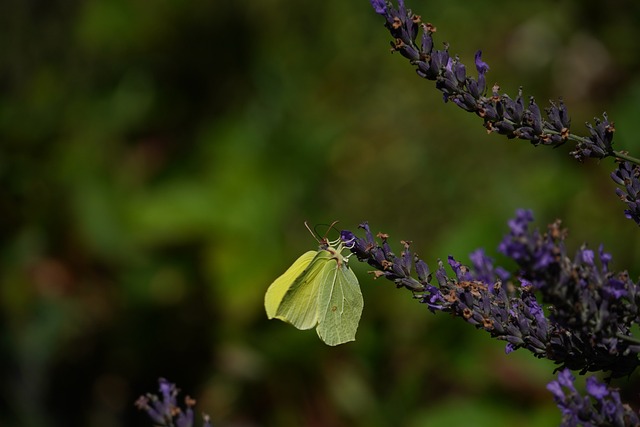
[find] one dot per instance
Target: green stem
(624, 156)
(633, 340)
(617, 154)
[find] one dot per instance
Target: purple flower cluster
(600, 407)
(501, 113)
(164, 410)
(628, 176)
(585, 327)
(591, 308)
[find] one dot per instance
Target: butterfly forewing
(299, 305)
(279, 287)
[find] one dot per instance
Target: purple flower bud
(558, 117)
(460, 71)
(185, 419)
(401, 7)
(439, 59)
(514, 109)
(348, 238)
(555, 388)
(379, 6)
(368, 234)
(481, 66)
(615, 288)
(504, 128)
(596, 389)
(566, 379)
(461, 271)
(407, 259)
(587, 256)
(605, 258)
(426, 44)
(534, 117)
(441, 274)
(422, 271)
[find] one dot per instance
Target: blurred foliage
(158, 161)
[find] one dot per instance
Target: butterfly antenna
(313, 232)
(333, 225)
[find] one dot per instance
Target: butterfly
(318, 290)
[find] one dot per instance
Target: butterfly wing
(299, 305)
(340, 303)
(281, 285)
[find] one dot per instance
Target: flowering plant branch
(500, 113)
(591, 309)
(587, 326)
(596, 337)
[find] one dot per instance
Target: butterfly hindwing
(340, 304)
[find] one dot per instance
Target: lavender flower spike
(628, 176)
(164, 411)
(601, 406)
(588, 325)
(501, 114)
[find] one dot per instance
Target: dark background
(158, 161)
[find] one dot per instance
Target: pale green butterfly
(319, 289)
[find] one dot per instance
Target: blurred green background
(158, 161)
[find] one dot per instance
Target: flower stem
(624, 156)
(628, 338)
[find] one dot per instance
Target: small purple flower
(380, 6)
(596, 389)
(615, 288)
(525, 283)
(520, 223)
(422, 271)
(481, 66)
(433, 298)
(566, 379)
(555, 388)
(348, 238)
(587, 256)
(605, 258)
(484, 270)
(461, 271)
